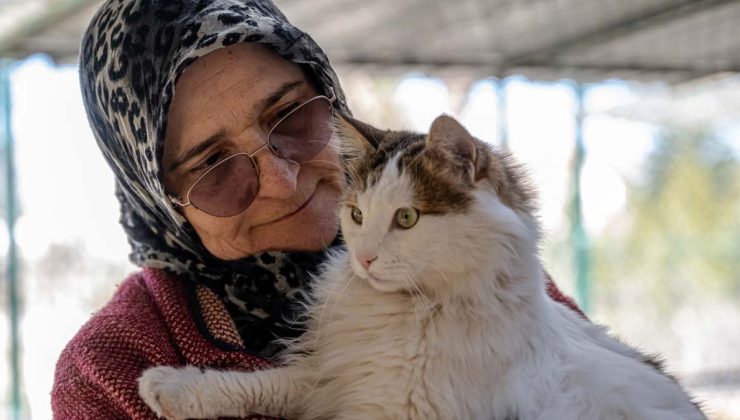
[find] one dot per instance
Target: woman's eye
(213, 159)
(285, 111)
(406, 217)
(209, 161)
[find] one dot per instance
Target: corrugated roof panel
(582, 39)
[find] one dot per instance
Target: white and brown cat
(436, 310)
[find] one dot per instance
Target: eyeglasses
(229, 187)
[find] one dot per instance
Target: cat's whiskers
(417, 293)
(320, 319)
(344, 289)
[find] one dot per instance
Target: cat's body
(447, 319)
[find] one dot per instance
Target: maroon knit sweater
(153, 319)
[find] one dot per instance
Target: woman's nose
(278, 176)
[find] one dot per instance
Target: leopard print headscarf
(132, 55)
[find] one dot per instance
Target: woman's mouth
(298, 210)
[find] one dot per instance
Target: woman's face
(231, 98)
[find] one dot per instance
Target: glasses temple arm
(176, 201)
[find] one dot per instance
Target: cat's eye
(406, 217)
(356, 214)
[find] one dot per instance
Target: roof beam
(478, 65)
(661, 16)
(54, 12)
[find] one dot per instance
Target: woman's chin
(312, 231)
(312, 228)
(316, 240)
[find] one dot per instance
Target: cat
(436, 309)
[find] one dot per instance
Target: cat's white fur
(451, 321)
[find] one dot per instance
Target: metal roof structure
(53, 27)
(671, 40)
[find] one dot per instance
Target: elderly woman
(213, 115)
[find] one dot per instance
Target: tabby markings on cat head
(445, 166)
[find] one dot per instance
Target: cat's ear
(357, 140)
(448, 136)
(358, 130)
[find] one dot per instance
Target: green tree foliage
(680, 239)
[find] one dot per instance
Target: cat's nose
(365, 260)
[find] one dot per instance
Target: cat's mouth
(370, 277)
(382, 285)
(392, 287)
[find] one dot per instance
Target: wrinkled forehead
(227, 90)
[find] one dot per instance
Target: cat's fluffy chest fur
(456, 362)
(420, 358)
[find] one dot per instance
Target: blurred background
(626, 113)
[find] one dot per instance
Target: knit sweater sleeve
(75, 396)
(96, 375)
(555, 294)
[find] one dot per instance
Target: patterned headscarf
(132, 55)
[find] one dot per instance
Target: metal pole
(503, 123)
(12, 261)
(578, 233)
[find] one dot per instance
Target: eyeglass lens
(231, 186)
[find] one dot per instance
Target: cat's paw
(172, 393)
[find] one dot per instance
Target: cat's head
(422, 210)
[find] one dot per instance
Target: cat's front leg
(175, 393)
(189, 392)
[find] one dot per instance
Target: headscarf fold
(132, 55)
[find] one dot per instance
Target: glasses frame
(177, 201)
